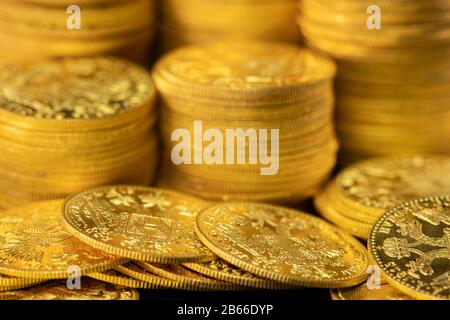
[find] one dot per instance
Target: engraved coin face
(74, 88)
(137, 222)
(385, 182)
(282, 244)
(411, 244)
(243, 66)
(34, 244)
(90, 289)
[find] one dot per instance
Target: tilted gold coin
(411, 244)
(34, 244)
(283, 244)
(131, 269)
(185, 276)
(117, 278)
(90, 289)
(8, 281)
(222, 270)
(362, 292)
(137, 222)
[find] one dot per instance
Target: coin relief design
(83, 88)
(283, 244)
(91, 289)
(34, 244)
(237, 65)
(411, 244)
(385, 182)
(137, 222)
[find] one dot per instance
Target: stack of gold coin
(361, 193)
(410, 244)
(57, 28)
(246, 121)
(393, 83)
(71, 124)
(187, 22)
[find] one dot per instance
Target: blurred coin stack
(362, 192)
(258, 88)
(187, 22)
(70, 124)
(393, 85)
(49, 28)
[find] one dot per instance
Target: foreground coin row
(148, 238)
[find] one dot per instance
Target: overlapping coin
(137, 222)
(34, 244)
(283, 244)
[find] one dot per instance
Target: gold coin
(117, 278)
(381, 183)
(362, 292)
(241, 67)
(188, 277)
(410, 243)
(283, 244)
(91, 289)
(133, 270)
(8, 281)
(34, 244)
(331, 212)
(222, 270)
(105, 91)
(137, 222)
(16, 287)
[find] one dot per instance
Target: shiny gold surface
(410, 243)
(137, 222)
(34, 244)
(57, 290)
(283, 245)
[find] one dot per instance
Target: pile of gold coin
(192, 22)
(410, 244)
(246, 121)
(71, 124)
(393, 82)
(34, 29)
(362, 192)
(174, 241)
